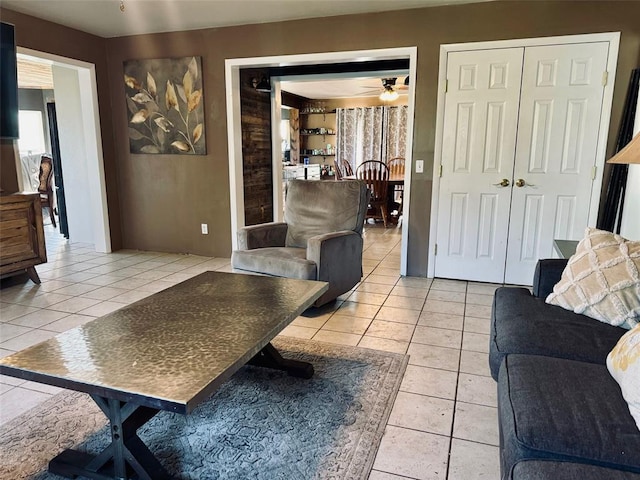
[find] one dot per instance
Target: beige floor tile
(132, 283)
(374, 288)
(382, 279)
(68, 322)
(77, 277)
(74, 304)
(477, 423)
(479, 299)
(475, 342)
(103, 280)
(340, 338)
(439, 337)
(477, 389)
(477, 325)
(27, 339)
(385, 344)
(482, 288)
(480, 311)
(102, 308)
(429, 381)
(389, 272)
(415, 282)
(475, 363)
(434, 357)
(378, 475)
(299, 332)
(17, 401)
(155, 286)
(429, 462)
(45, 300)
(446, 296)
(367, 297)
(420, 412)
(441, 320)
(104, 293)
(451, 285)
(410, 303)
(358, 310)
(347, 324)
(53, 285)
(9, 311)
(311, 322)
(403, 291)
(152, 275)
(38, 319)
(131, 296)
(391, 330)
(76, 289)
(473, 461)
(438, 306)
(400, 315)
(9, 331)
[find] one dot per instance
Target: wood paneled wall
(255, 110)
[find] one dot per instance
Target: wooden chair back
(396, 167)
(376, 175)
(45, 187)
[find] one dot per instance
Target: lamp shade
(629, 154)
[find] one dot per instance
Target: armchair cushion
(307, 215)
(279, 261)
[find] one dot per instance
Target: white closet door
(560, 108)
(480, 125)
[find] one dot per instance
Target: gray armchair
(320, 238)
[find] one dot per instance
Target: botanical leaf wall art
(165, 105)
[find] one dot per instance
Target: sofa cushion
(307, 214)
(550, 470)
(602, 279)
(522, 323)
(278, 261)
(553, 408)
(624, 365)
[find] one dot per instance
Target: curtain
(370, 133)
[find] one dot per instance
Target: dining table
(394, 181)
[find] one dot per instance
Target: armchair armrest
(272, 234)
(548, 273)
(338, 257)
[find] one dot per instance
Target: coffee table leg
(125, 456)
(269, 357)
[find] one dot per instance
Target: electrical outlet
(205, 228)
(419, 166)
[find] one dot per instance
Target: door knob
(521, 183)
(503, 183)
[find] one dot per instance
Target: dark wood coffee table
(169, 351)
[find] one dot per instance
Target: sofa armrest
(548, 273)
(338, 258)
(264, 235)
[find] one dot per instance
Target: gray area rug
(261, 424)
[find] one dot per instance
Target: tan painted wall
(163, 199)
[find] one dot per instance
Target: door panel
(559, 120)
(480, 126)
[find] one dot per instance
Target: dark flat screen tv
(8, 83)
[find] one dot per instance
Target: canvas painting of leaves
(165, 105)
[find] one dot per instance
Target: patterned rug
(261, 424)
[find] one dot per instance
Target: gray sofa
(561, 414)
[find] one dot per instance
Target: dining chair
(348, 171)
(376, 175)
(396, 170)
(45, 188)
(338, 168)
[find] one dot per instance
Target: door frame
(614, 43)
(234, 127)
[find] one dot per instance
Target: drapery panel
(370, 133)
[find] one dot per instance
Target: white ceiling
(341, 88)
(104, 18)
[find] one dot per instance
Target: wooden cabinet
(21, 234)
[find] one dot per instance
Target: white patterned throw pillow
(623, 363)
(602, 279)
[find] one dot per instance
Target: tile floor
(444, 423)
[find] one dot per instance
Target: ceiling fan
(390, 89)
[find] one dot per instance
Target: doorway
(75, 91)
(232, 74)
(521, 139)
